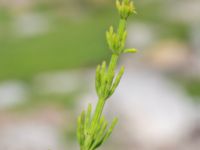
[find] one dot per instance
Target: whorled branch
(92, 135)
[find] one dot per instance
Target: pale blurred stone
(30, 24)
(29, 136)
(156, 112)
(195, 36)
(168, 55)
(12, 93)
(183, 10)
(61, 82)
(140, 35)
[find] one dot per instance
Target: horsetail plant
(93, 129)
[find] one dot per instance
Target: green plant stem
(113, 63)
(94, 130)
(122, 27)
(98, 112)
(101, 101)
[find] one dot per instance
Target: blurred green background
(76, 32)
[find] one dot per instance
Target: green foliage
(105, 82)
(93, 130)
(25, 57)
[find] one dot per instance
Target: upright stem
(102, 100)
(98, 112)
(121, 27)
(113, 63)
(91, 134)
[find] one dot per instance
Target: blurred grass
(71, 44)
(74, 41)
(192, 87)
(66, 101)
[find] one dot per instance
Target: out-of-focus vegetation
(76, 33)
(70, 45)
(72, 41)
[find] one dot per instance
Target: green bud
(116, 41)
(125, 8)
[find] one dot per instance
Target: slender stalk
(113, 62)
(122, 27)
(93, 130)
(98, 112)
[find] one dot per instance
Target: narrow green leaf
(99, 125)
(79, 130)
(103, 78)
(88, 116)
(114, 122)
(98, 80)
(100, 135)
(103, 68)
(117, 80)
(109, 83)
(131, 50)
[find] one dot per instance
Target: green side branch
(93, 129)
